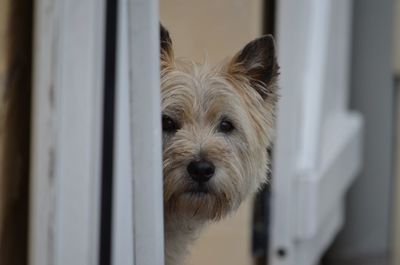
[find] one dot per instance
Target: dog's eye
(226, 126)
(168, 124)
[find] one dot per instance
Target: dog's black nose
(201, 170)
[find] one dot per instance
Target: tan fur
(198, 96)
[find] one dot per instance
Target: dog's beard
(208, 201)
(198, 205)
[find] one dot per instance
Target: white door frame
(66, 132)
(138, 176)
(68, 88)
(317, 152)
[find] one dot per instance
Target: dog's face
(217, 124)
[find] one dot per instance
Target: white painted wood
(396, 205)
(319, 142)
(145, 131)
(396, 38)
(292, 28)
(66, 140)
(319, 190)
(123, 236)
(315, 67)
(308, 251)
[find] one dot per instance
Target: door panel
(318, 147)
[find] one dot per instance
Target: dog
(217, 124)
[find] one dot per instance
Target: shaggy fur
(196, 98)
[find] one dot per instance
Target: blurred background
(334, 197)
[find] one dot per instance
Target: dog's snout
(201, 170)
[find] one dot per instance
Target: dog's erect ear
(165, 44)
(257, 60)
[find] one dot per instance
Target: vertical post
(66, 133)
(122, 220)
(318, 148)
(144, 82)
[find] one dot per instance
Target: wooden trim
(15, 98)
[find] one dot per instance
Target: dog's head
(217, 125)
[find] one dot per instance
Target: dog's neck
(179, 234)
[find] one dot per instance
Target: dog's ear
(165, 44)
(257, 61)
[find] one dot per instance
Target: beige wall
(218, 29)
